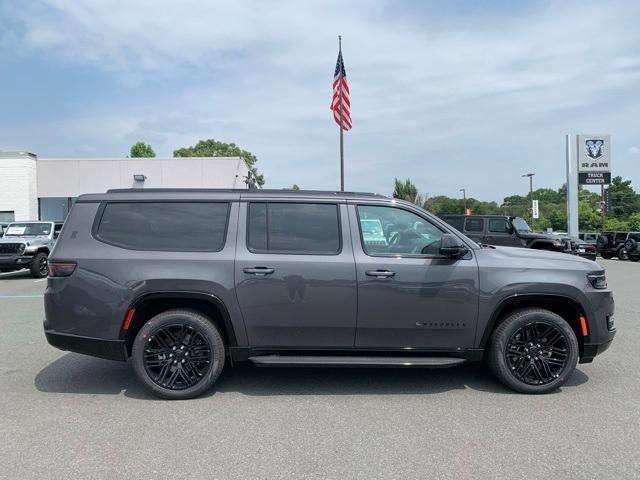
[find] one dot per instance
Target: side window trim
(103, 206)
(394, 255)
(291, 252)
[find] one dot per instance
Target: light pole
(464, 194)
(530, 175)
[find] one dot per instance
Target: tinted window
(393, 230)
(455, 222)
(474, 225)
(294, 228)
(170, 226)
(499, 225)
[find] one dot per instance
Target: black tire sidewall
(622, 254)
(502, 334)
(34, 266)
(205, 327)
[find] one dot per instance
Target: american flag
(340, 104)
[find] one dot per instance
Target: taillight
(61, 269)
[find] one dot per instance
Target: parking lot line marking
(40, 280)
(9, 297)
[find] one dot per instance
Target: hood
(534, 235)
(24, 239)
(531, 258)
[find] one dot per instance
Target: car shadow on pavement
(74, 373)
(17, 275)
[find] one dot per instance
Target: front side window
(499, 225)
(389, 230)
(304, 228)
(168, 226)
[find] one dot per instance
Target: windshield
(23, 229)
(520, 224)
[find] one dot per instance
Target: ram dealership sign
(594, 159)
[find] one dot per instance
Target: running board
(353, 361)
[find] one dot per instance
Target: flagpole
(341, 132)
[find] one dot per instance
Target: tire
(622, 254)
(508, 358)
(607, 256)
(631, 245)
(602, 241)
(39, 267)
(634, 258)
(173, 373)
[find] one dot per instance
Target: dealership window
(294, 228)
(169, 226)
(7, 216)
(54, 208)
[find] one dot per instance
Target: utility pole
(464, 194)
(602, 206)
(572, 187)
(530, 175)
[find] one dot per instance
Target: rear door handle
(380, 273)
(259, 271)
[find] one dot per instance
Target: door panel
(422, 301)
(498, 232)
(297, 300)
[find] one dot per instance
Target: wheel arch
(150, 304)
(568, 308)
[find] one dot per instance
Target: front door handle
(259, 271)
(380, 273)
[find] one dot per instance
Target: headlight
(598, 280)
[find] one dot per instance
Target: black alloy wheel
(623, 254)
(533, 350)
(178, 354)
(177, 357)
(537, 353)
(39, 267)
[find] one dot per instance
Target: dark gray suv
(182, 282)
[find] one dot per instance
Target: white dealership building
(45, 188)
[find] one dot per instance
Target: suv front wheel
(178, 354)
(533, 351)
(39, 267)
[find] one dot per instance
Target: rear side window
(474, 225)
(455, 222)
(169, 226)
(293, 228)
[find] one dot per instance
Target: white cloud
(488, 95)
(634, 150)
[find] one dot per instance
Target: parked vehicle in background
(504, 231)
(27, 245)
(612, 244)
(589, 237)
(632, 245)
(284, 278)
(3, 226)
(581, 248)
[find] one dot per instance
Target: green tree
(624, 201)
(141, 150)
(405, 190)
(213, 148)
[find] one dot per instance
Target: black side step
(353, 361)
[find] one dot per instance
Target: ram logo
(595, 148)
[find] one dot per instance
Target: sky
(450, 94)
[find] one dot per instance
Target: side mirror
(452, 247)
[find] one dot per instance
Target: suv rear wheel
(623, 254)
(178, 354)
(533, 351)
(39, 267)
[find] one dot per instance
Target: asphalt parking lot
(65, 415)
